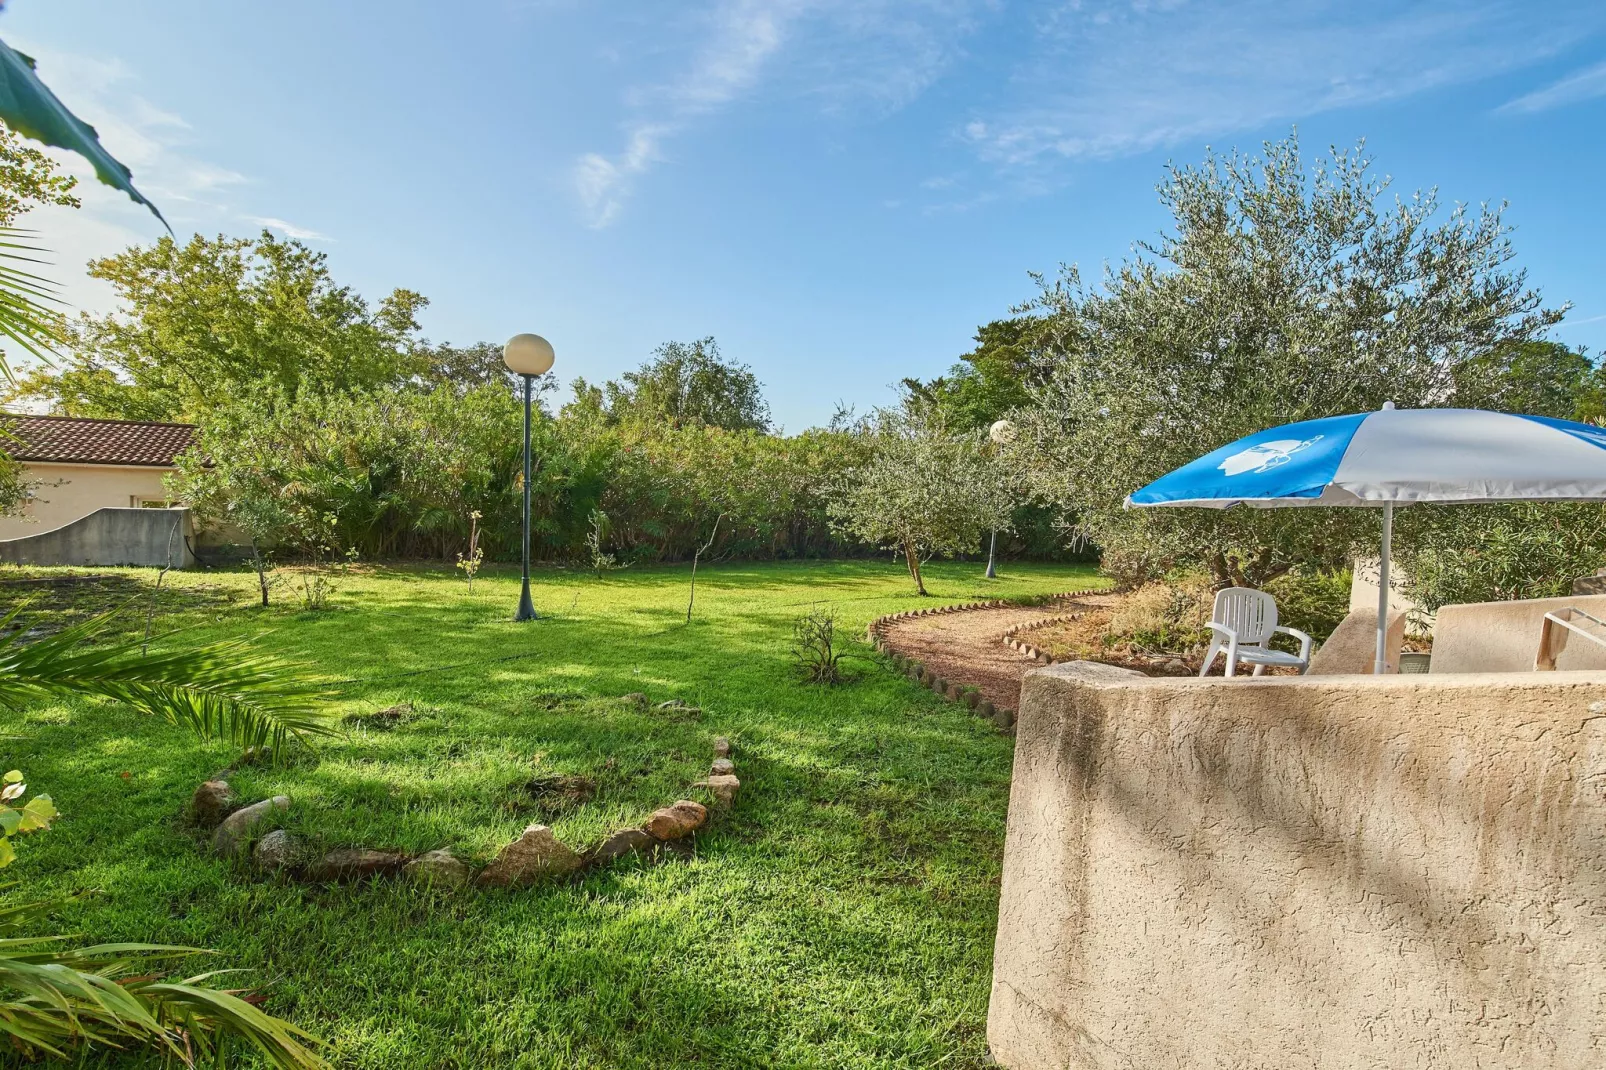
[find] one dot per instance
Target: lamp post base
(526, 607)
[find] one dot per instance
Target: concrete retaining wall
(1504, 636)
(1334, 873)
(152, 537)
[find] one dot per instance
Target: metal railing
(1556, 629)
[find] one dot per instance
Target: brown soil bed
(968, 647)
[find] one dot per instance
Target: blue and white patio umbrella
(1394, 457)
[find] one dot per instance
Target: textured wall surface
(1352, 648)
(1504, 636)
(153, 537)
(1340, 872)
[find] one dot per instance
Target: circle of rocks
(876, 635)
(536, 857)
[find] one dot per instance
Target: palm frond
(53, 999)
(218, 691)
(25, 317)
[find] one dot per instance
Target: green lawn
(843, 915)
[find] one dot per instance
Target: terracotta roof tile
(73, 440)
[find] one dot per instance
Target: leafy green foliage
(18, 818)
(1539, 378)
(686, 383)
(1478, 553)
(26, 318)
(1314, 601)
(1285, 291)
(207, 323)
(217, 691)
(28, 179)
(814, 645)
(990, 381)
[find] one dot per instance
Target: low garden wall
(111, 536)
(1304, 872)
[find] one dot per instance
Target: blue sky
(838, 190)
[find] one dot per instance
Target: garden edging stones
(953, 691)
(536, 857)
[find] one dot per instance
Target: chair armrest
(1223, 629)
(1305, 641)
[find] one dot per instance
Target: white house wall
(70, 491)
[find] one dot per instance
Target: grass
(842, 916)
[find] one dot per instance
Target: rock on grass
(231, 836)
(438, 867)
(534, 857)
(681, 819)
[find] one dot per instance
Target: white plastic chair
(1242, 620)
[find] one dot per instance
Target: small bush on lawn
(814, 647)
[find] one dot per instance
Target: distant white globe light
(1001, 432)
(528, 354)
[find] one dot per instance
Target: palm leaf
(24, 296)
(54, 999)
(29, 107)
(218, 691)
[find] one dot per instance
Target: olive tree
(1284, 291)
(925, 489)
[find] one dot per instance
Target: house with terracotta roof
(78, 466)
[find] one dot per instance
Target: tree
(925, 490)
(1283, 293)
(382, 474)
(465, 368)
(990, 381)
(29, 178)
(685, 383)
(1538, 378)
(213, 319)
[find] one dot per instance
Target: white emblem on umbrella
(1264, 456)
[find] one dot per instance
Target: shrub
(814, 647)
(1312, 600)
(1166, 616)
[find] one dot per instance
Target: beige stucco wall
(1504, 636)
(70, 491)
(1286, 873)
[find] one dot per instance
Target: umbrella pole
(1380, 666)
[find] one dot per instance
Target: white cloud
(289, 230)
(1107, 78)
(874, 55)
(1587, 84)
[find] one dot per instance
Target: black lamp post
(527, 355)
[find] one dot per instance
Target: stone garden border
(1003, 717)
(1011, 638)
(536, 857)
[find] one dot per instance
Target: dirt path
(968, 647)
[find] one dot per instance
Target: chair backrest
(1250, 613)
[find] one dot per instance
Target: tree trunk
(911, 557)
(262, 576)
(696, 555)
